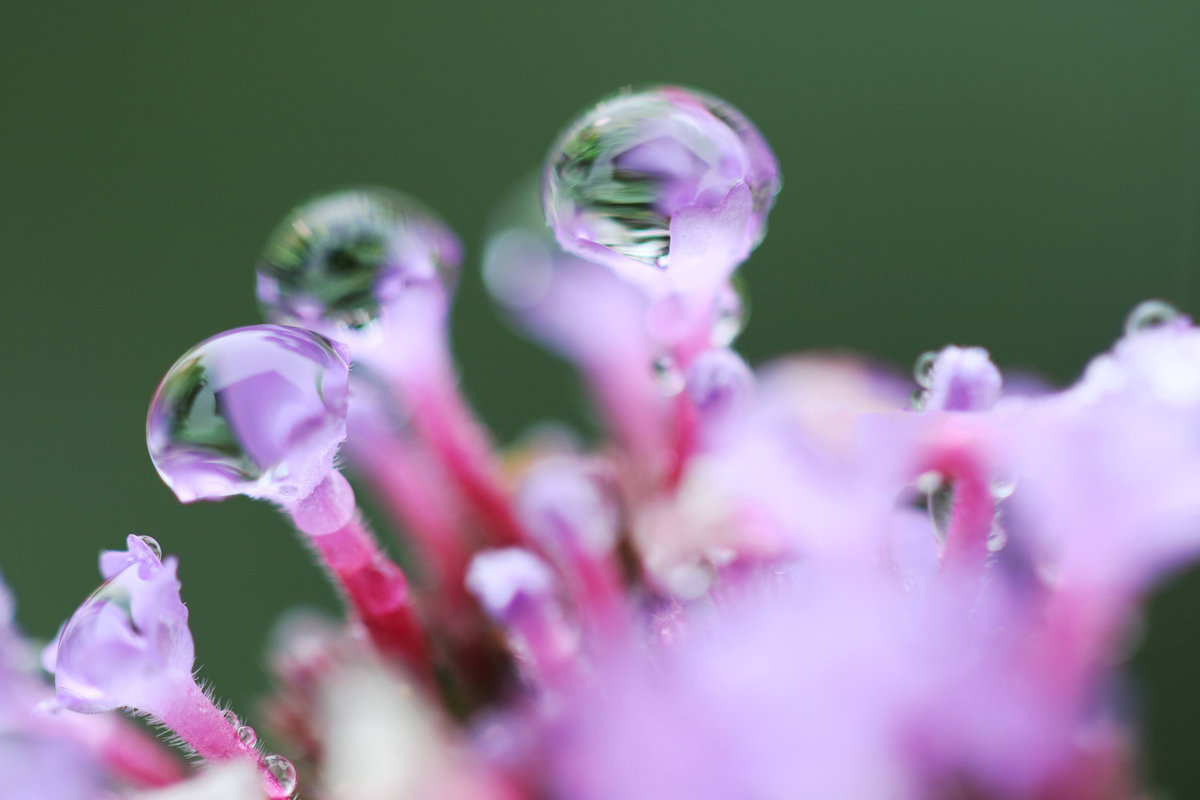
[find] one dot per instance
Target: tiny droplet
(997, 538)
(1148, 315)
(671, 379)
(923, 369)
(283, 772)
(231, 717)
(247, 735)
(730, 311)
(918, 399)
(1003, 486)
(154, 546)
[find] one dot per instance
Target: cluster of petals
(804, 579)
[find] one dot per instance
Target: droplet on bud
(337, 263)
(246, 735)
(154, 546)
(1150, 314)
(283, 772)
(256, 411)
(923, 369)
(620, 173)
(670, 378)
(231, 718)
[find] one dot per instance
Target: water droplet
(283, 772)
(919, 398)
(941, 507)
(253, 411)
(154, 546)
(338, 262)
(997, 538)
(670, 377)
(231, 717)
(246, 735)
(1150, 314)
(731, 310)
(923, 369)
(621, 170)
(1003, 486)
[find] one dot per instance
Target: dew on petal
(670, 378)
(154, 546)
(923, 369)
(731, 311)
(246, 735)
(1150, 314)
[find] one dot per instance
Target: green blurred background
(1012, 174)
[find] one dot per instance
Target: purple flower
(958, 379)
(128, 645)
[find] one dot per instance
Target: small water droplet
(283, 772)
(997, 538)
(247, 735)
(923, 369)
(941, 507)
(1003, 486)
(671, 380)
(919, 398)
(154, 546)
(1150, 314)
(730, 312)
(231, 717)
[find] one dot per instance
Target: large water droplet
(923, 369)
(154, 546)
(338, 262)
(282, 771)
(246, 735)
(670, 378)
(1150, 314)
(621, 170)
(256, 411)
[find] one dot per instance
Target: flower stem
(195, 719)
(374, 586)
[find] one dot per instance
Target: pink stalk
(421, 505)
(973, 513)
(374, 586)
(442, 417)
(631, 406)
(137, 757)
(193, 717)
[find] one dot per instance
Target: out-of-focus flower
(796, 581)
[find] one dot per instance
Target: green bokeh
(1012, 174)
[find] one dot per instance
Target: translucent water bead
(620, 173)
(338, 262)
(256, 411)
